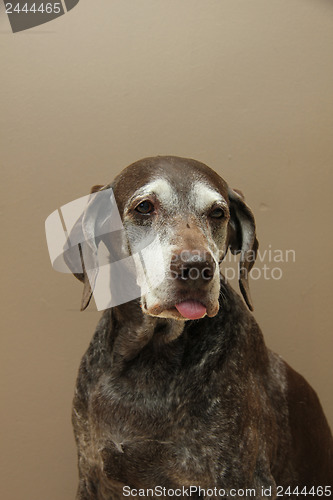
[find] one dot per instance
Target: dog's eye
(145, 207)
(217, 213)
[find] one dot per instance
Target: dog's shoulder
(310, 433)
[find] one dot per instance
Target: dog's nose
(192, 267)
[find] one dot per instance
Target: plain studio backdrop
(242, 85)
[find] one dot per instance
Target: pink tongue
(191, 309)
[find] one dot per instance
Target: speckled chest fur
(174, 413)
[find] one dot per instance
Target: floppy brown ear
(242, 239)
(96, 188)
(81, 248)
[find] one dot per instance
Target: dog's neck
(133, 330)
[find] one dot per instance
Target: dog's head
(187, 215)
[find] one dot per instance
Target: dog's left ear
(242, 239)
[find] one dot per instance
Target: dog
(177, 394)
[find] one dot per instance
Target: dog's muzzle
(192, 271)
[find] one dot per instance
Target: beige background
(245, 86)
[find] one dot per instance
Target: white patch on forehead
(203, 197)
(161, 188)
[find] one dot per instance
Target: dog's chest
(144, 439)
(147, 461)
(169, 421)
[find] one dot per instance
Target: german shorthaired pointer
(177, 394)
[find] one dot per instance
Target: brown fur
(161, 402)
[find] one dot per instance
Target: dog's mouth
(188, 309)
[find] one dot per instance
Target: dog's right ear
(100, 217)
